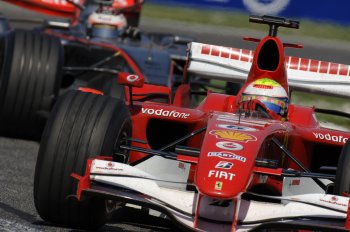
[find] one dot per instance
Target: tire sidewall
(108, 129)
(29, 83)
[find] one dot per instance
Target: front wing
(193, 211)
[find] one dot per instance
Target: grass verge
(240, 20)
(326, 102)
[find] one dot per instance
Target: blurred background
(324, 32)
(317, 17)
(311, 9)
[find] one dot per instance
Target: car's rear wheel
(81, 126)
(29, 82)
(342, 179)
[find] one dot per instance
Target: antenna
(274, 23)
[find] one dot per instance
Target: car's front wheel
(81, 126)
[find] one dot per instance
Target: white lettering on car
(227, 155)
(165, 113)
(328, 137)
(221, 174)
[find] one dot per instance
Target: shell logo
(232, 135)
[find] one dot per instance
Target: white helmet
(269, 92)
(117, 21)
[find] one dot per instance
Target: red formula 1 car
(233, 163)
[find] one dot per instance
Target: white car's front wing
(130, 182)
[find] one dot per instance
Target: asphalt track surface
(18, 157)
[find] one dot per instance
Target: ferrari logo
(218, 185)
(233, 135)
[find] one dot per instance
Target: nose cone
(227, 158)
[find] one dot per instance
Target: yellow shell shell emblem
(232, 135)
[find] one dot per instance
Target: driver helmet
(106, 22)
(268, 92)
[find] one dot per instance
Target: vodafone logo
(132, 78)
(229, 146)
(328, 137)
(165, 113)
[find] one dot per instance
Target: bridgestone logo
(165, 113)
(334, 138)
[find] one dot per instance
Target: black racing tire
(29, 82)
(4, 24)
(2, 53)
(81, 126)
(342, 178)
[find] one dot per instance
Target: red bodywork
(59, 8)
(300, 133)
(251, 140)
(231, 144)
(62, 8)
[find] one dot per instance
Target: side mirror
(131, 80)
(184, 40)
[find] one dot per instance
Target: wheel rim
(121, 155)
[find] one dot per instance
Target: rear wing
(233, 64)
